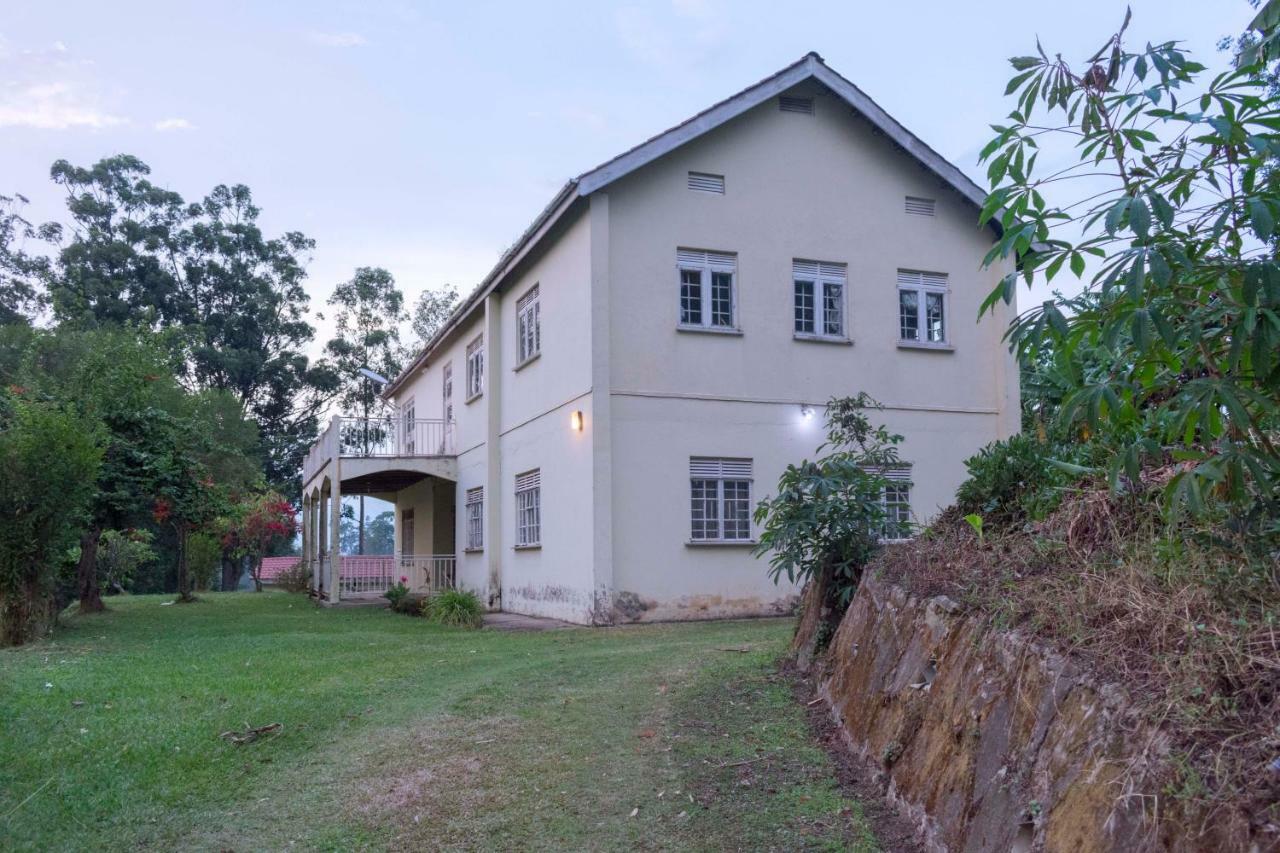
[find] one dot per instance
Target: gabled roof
(809, 67)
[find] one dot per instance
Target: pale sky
(424, 137)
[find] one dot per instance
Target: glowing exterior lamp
(806, 412)
(575, 420)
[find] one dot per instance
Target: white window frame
(924, 285)
(407, 418)
(714, 482)
(528, 327)
(706, 265)
(898, 525)
(475, 368)
(528, 513)
(824, 277)
(474, 515)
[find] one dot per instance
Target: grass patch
(399, 734)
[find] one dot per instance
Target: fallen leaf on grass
(635, 811)
(646, 733)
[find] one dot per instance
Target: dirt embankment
(991, 741)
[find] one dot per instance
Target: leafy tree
(1186, 300)
(260, 524)
(20, 272)
(121, 553)
(370, 311)
(828, 517)
(431, 311)
(379, 533)
(49, 458)
(232, 298)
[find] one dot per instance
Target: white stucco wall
(821, 187)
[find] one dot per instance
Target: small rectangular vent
(920, 206)
(706, 183)
(796, 105)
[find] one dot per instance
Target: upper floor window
(408, 412)
(528, 326)
(529, 508)
(720, 499)
(707, 295)
(446, 391)
(922, 306)
(475, 368)
(475, 518)
(819, 298)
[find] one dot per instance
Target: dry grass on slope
(1181, 619)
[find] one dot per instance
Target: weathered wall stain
(991, 742)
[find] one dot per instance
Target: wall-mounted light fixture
(575, 420)
(806, 411)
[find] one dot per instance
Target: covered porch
(408, 463)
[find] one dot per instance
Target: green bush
(1012, 480)
(204, 559)
(459, 608)
(296, 578)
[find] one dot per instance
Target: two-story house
(588, 434)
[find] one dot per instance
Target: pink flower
(403, 579)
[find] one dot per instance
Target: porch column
(306, 532)
(335, 546)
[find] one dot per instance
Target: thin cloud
(53, 106)
(337, 39)
(672, 40)
(167, 124)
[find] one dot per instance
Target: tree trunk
(184, 581)
(255, 568)
(819, 617)
(87, 571)
(360, 532)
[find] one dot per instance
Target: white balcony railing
(374, 575)
(379, 437)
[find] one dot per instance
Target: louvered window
(529, 508)
(528, 326)
(475, 518)
(720, 499)
(705, 182)
(819, 298)
(920, 206)
(922, 306)
(795, 105)
(895, 501)
(475, 368)
(707, 297)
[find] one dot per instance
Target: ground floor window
(896, 501)
(475, 518)
(529, 508)
(720, 499)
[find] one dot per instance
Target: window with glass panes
(407, 430)
(922, 306)
(529, 508)
(475, 367)
(475, 518)
(528, 326)
(819, 298)
(706, 288)
(720, 499)
(895, 500)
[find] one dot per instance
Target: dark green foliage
(398, 595)
(459, 608)
(431, 311)
(1012, 480)
(49, 459)
(1185, 302)
(828, 516)
(20, 271)
(370, 310)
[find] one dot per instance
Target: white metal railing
(388, 436)
(374, 575)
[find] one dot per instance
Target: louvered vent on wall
(706, 183)
(920, 206)
(796, 105)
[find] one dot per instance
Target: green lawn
(399, 734)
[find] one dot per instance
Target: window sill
(710, 330)
(472, 398)
(920, 345)
(721, 543)
(822, 339)
(537, 546)
(528, 361)
(479, 550)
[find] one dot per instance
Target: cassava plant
(1169, 209)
